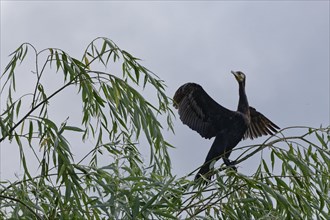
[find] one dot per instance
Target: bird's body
(204, 115)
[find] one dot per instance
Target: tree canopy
(117, 122)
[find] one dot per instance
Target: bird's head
(240, 76)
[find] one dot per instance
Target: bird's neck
(243, 105)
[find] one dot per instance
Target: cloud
(283, 47)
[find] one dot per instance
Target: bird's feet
(204, 176)
(230, 164)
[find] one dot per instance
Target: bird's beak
(235, 74)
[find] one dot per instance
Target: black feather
(204, 115)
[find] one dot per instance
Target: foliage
(117, 122)
(291, 182)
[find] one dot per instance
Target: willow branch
(36, 107)
(25, 205)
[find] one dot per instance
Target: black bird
(204, 115)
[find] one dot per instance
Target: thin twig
(21, 202)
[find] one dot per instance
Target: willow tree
(119, 105)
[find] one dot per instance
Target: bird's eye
(241, 74)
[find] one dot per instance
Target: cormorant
(204, 115)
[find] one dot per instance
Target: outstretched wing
(199, 111)
(259, 125)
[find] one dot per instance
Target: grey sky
(283, 47)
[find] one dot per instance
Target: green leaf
(135, 207)
(24, 54)
(98, 98)
(321, 139)
(18, 140)
(272, 158)
(164, 213)
(68, 68)
(86, 62)
(282, 184)
(58, 61)
(265, 166)
(50, 124)
(71, 128)
(104, 47)
(18, 107)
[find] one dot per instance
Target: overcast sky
(282, 47)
